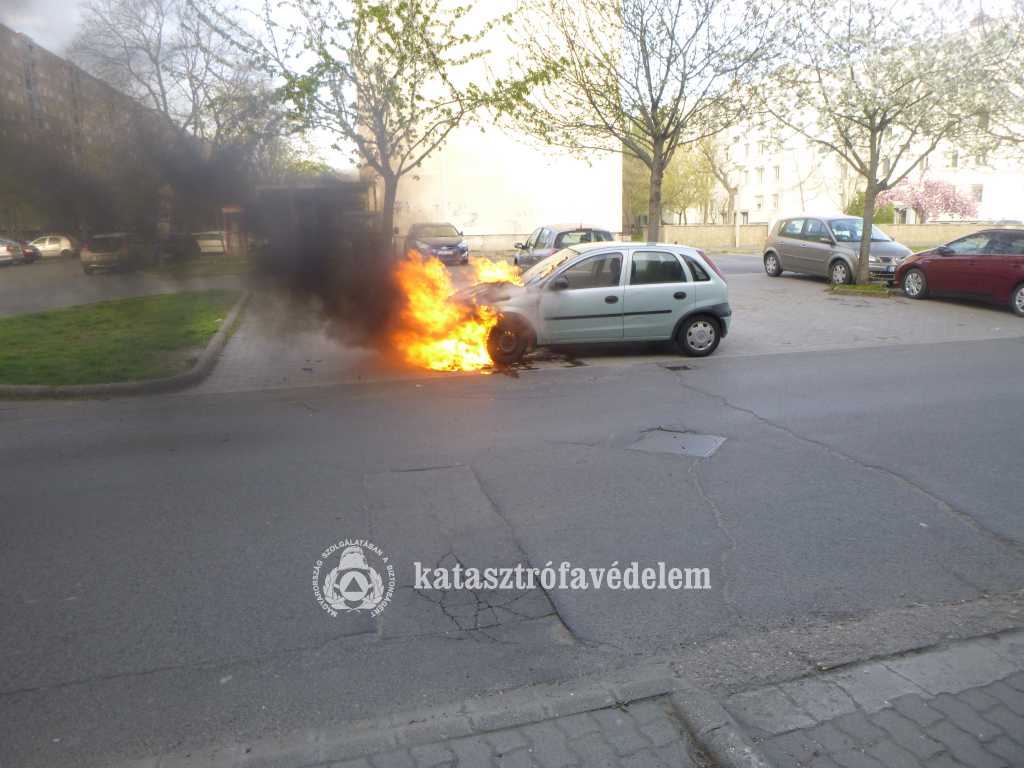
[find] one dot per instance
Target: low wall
(507, 242)
(936, 232)
(712, 235)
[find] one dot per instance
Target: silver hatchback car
(608, 292)
(829, 246)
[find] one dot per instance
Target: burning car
(607, 292)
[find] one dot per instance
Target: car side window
(596, 272)
(546, 240)
(652, 267)
(1007, 245)
(970, 245)
(791, 228)
(40, 241)
(814, 230)
(533, 240)
(54, 241)
(700, 274)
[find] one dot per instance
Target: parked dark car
(988, 265)
(181, 246)
(551, 238)
(440, 240)
(116, 251)
(30, 252)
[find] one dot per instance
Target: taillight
(712, 265)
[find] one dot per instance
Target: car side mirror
(561, 284)
(519, 247)
(827, 240)
(944, 250)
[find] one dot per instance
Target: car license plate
(892, 268)
(445, 251)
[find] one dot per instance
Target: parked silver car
(608, 292)
(829, 246)
(116, 251)
(552, 238)
(10, 252)
(58, 245)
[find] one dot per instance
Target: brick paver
(940, 725)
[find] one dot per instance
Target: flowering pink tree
(928, 197)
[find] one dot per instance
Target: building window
(760, 175)
(746, 176)
(981, 158)
(776, 172)
(759, 203)
(950, 159)
(746, 150)
(886, 167)
(775, 202)
(976, 190)
(744, 218)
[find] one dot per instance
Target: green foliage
(885, 216)
(127, 340)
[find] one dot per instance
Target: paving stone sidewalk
(961, 705)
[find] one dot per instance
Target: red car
(987, 265)
(30, 251)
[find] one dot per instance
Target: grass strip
(125, 340)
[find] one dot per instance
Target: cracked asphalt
(156, 553)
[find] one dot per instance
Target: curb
(148, 387)
(711, 726)
(715, 731)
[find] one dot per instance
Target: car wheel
(771, 265)
(508, 340)
(1017, 302)
(515, 262)
(67, 254)
(840, 273)
(915, 284)
(699, 336)
(87, 270)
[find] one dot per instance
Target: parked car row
(986, 265)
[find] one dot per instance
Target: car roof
(433, 224)
(572, 226)
(587, 247)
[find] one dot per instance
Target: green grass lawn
(126, 340)
(208, 265)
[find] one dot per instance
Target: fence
(712, 235)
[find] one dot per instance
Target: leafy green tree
(885, 216)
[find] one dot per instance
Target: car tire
(772, 267)
(67, 254)
(915, 284)
(508, 340)
(87, 270)
(699, 336)
(839, 273)
(1017, 300)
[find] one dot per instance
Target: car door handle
(611, 299)
(679, 295)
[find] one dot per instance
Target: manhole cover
(680, 443)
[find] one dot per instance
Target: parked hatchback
(988, 265)
(551, 238)
(11, 252)
(608, 292)
(440, 240)
(829, 246)
(58, 245)
(120, 250)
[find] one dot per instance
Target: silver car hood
(489, 294)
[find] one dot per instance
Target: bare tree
(638, 76)
(719, 163)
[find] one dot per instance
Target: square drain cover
(681, 443)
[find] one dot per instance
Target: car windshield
(437, 230)
(849, 231)
(577, 236)
(104, 244)
(543, 268)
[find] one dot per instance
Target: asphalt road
(156, 554)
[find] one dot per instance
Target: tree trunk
(654, 201)
(863, 270)
(732, 207)
(388, 213)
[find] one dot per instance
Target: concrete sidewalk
(961, 705)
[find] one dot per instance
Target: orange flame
(439, 335)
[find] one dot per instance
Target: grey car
(829, 246)
(551, 238)
(58, 245)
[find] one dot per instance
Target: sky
(50, 23)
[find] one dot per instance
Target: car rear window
(577, 236)
(104, 244)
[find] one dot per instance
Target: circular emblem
(354, 584)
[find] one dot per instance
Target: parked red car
(988, 265)
(30, 251)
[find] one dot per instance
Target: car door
(525, 256)
(814, 254)
(997, 271)
(590, 308)
(789, 243)
(657, 293)
(543, 246)
(952, 270)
